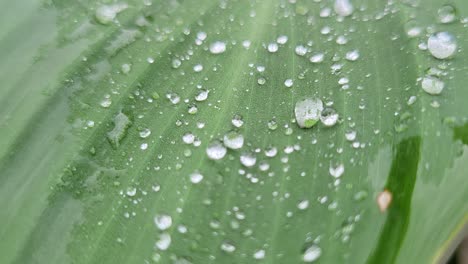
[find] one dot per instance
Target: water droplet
(272, 47)
(411, 100)
(198, 68)
(352, 55)
(442, 45)
(145, 133)
(216, 150)
(350, 135)
(202, 95)
(301, 50)
(308, 112)
(317, 58)
(447, 14)
(237, 120)
(164, 241)
(201, 35)
(107, 13)
(144, 146)
(337, 170)
(259, 254)
(173, 97)
(312, 253)
(248, 159)
(131, 191)
(384, 199)
(217, 47)
(233, 140)
(288, 83)
(271, 152)
(121, 124)
(432, 85)
(261, 81)
(196, 177)
(343, 7)
(106, 102)
(192, 109)
(126, 68)
(163, 221)
(272, 124)
(188, 138)
(302, 205)
(228, 247)
(176, 63)
(282, 39)
(329, 117)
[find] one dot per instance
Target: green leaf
(107, 110)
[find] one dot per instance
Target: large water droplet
(272, 47)
(196, 177)
(442, 45)
(248, 159)
(308, 112)
(432, 85)
(312, 253)
(337, 170)
(163, 221)
(233, 140)
(447, 14)
(228, 247)
(343, 7)
(217, 47)
(107, 13)
(216, 150)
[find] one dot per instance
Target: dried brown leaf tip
(384, 199)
